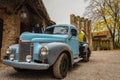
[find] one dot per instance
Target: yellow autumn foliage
(81, 37)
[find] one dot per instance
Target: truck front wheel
(60, 68)
(86, 56)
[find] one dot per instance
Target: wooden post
(44, 24)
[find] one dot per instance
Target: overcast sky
(60, 10)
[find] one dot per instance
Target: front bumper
(26, 65)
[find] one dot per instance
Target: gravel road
(103, 65)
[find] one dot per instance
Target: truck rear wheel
(60, 68)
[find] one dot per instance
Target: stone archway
(1, 34)
(82, 25)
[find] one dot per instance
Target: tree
(107, 12)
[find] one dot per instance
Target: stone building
(17, 16)
(83, 25)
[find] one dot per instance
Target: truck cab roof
(69, 25)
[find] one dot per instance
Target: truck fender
(85, 47)
(56, 49)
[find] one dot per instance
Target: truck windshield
(57, 30)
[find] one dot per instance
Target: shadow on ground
(32, 75)
(37, 75)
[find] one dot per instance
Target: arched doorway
(1, 34)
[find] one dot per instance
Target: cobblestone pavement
(103, 65)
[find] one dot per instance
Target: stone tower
(84, 25)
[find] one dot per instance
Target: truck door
(73, 42)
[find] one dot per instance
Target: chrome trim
(26, 65)
(24, 50)
(24, 40)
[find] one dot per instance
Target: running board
(77, 60)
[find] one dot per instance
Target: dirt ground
(103, 65)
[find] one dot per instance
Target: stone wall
(11, 31)
(20, 16)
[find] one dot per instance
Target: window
(73, 32)
(49, 30)
(57, 30)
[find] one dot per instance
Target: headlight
(44, 51)
(8, 51)
(28, 58)
(12, 56)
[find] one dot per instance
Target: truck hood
(35, 37)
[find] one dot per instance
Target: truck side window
(74, 32)
(49, 30)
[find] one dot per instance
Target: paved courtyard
(103, 65)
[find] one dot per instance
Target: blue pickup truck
(57, 48)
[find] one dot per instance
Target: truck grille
(25, 49)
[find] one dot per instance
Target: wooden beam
(43, 8)
(34, 8)
(18, 6)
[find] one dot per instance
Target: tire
(60, 68)
(86, 56)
